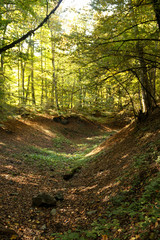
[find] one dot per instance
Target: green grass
(58, 158)
(134, 212)
(60, 140)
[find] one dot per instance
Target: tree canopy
(107, 60)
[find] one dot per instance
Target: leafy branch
(31, 32)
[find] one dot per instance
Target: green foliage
(95, 68)
(158, 160)
(69, 236)
(61, 159)
(152, 190)
(59, 141)
(141, 160)
(133, 213)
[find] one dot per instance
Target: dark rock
(52, 169)
(70, 174)
(58, 227)
(61, 119)
(57, 119)
(142, 116)
(53, 212)
(59, 196)
(64, 121)
(43, 200)
(6, 234)
(52, 176)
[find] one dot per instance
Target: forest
(107, 59)
(79, 119)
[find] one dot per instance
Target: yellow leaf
(156, 224)
(104, 237)
(134, 238)
(137, 236)
(13, 237)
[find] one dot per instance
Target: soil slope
(85, 195)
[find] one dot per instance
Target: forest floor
(36, 153)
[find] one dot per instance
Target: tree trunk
(32, 72)
(80, 89)
(72, 93)
(22, 79)
(23, 67)
(27, 92)
(42, 77)
(156, 6)
(147, 99)
(153, 72)
(139, 95)
(2, 79)
(145, 86)
(54, 82)
(19, 91)
(46, 83)
(2, 76)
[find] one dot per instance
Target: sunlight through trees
(106, 60)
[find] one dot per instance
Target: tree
(106, 61)
(31, 32)
(120, 45)
(156, 6)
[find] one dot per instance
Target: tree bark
(156, 6)
(146, 88)
(27, 92)
(42, 74)
(32, 73)
(2, 76)
(147, 101)
(54, 75)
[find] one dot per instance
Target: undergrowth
(134, 212)
(43, 157)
